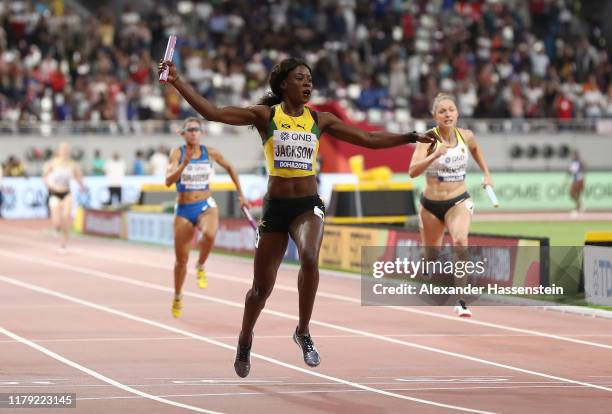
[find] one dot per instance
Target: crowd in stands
(151, 162)
(501, 58)
(154, 162)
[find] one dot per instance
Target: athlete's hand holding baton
(249, 217)
(492, 196)
(487, 184)
(163, 76)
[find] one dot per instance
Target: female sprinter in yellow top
(290, 134)
(445, 202)
(190, 167)
(57, 174)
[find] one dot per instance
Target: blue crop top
(195, 176)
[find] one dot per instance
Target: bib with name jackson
(292, 145)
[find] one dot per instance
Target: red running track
(96, 322)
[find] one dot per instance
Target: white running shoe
(462, 310)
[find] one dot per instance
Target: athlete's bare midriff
(440, 190)
(294, 187)
(189, 197)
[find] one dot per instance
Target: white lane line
(259, 337)
(288, 384)
(247, 281)
(240, 380)
(348, 390)
(226, 346)
(70, 306)
(40, 340)
(154, 286)
(99, 376)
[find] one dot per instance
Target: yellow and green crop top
(292, 143)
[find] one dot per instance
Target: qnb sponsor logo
(454, 161)
(602, 278)
(198, 168)
(455, 158)
(295, 136)
(302, 137)
(106, 225)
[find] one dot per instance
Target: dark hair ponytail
(277, 76)
(270, 99)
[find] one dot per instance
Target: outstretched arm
(254, 115)
(332, 125)
(476, 152)
(219, 159)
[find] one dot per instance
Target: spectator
(159, 162)
(533, 94)
(372, 96)
(97, 164)
(564, 107)
(593, 99)
(138, 168)
(115, 173)
(468, 99)
(14, 167)
(516, 101)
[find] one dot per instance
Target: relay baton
(163, 77)
(247, 214)
(492, 195)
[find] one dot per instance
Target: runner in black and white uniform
(57, 174)
(445, 202)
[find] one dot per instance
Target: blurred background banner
(27, 197)
(537, 191)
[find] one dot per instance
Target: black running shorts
(440, 208)
(279, 213)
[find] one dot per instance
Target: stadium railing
(391, 120)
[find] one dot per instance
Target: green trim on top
(457, 135)
(271, 126)
(315, 127)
